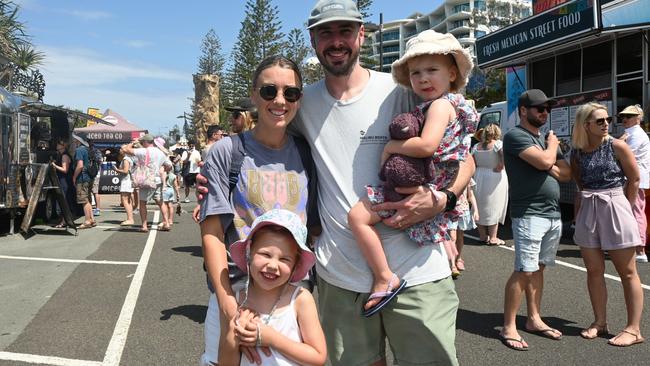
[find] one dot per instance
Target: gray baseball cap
(326, 11)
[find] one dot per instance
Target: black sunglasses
(541, 108)
(624, 116)
(291, 94)
(601, 121)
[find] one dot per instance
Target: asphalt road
(109, 297)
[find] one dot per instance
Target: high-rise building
(467, 20)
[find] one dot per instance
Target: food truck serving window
(594, 63)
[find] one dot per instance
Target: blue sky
(137, 57)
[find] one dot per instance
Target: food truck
(576, 51)
(29, 130)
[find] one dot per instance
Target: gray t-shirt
(347, 138)
(269, 179)
(533, 192)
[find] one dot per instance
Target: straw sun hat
(430, 42)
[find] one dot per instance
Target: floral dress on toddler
(453, 148)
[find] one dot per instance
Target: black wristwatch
(451, 199)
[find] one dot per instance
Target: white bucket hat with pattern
(430, 42)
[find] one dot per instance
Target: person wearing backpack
(82, 180)
(249, 174)
(147, 177)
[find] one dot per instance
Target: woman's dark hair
(276, 60)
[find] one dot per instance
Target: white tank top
(286, 323)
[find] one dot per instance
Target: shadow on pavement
(196, 313)
(489, 325)
(195, 250)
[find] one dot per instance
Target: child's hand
(384, 156)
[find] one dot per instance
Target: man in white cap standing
(82, 180)
(639, 142)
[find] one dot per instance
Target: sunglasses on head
(291, 94)
(601, 121)
(541, 108)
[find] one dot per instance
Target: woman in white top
(491, 183)
(126, 187)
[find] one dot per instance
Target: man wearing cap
(243, 115)
(534, 165)
(82, 181)
(157, 159)
(638, 141)
(345, 118)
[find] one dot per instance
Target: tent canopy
(122, 130)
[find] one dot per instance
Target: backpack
(95, 162)
(237, 158)
(144, 173)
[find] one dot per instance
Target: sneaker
(642, 258)
(96, 212)
(186, 200)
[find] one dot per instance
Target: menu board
(560, 121)
(23, 130)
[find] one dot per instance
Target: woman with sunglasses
(271, 176)
(607, 176)
(243, 115)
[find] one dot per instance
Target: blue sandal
(387, 296)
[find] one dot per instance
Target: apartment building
(465, 19)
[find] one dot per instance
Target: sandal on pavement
(637, 339)
(460, 264)
(509, 342)
(143, 230)
(84, 226)
(60, 226)
(546, 333)
(93, 223)
(386, 296)
(126, 223)
(497, 241)
(600, 330)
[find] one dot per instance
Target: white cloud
(136, 43)
(83, 67)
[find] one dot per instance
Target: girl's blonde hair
(579, 138)
(488, 133)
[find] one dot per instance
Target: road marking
(118, 340)
(66, 260)
(562, 263)
(46, 360)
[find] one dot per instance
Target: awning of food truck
(120, 132)
(38, 109)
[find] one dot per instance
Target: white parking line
(66, 260)
(118, 340)
(562, 263)
(46, 360)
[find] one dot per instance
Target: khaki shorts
(83, 192)
(148, 194)
(420, 324)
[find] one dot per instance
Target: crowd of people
(362, 185)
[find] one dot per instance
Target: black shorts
(190, 179)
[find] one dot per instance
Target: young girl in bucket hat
(273, 312)
(436, 67)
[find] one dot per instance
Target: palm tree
(26, 58)
(12, 31)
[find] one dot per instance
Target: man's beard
(536, 122)
(343, 69)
